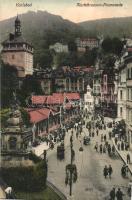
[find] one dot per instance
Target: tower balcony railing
(16, 49)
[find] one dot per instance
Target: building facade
(18, 52)
(86, 43)
(129, 100)
(121, 96)
(59, 47)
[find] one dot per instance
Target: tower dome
(17, 26)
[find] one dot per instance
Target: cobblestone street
(91, 184)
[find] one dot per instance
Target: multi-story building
(86, 43)
(61, 80)
(59, 47)
(108, 88)
(121, 96)
(97, 86)
(109, 94)
(129, 100)
(45, 79)
(18, 52)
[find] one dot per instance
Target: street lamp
(71, 169)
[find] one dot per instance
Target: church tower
(18, 52)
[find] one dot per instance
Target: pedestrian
(123, 170)
(105, 138)
(128, 158)
(126, 146)
(118, 146)
(116, 140)
(93, 134)
(101, 137)
(112, 194)
(110, 171)
(8, 192)
(106, 143)
(113, 149)
(101, 148)
(109, 149)
(96, 147)
(105, 171)
(122, 146)
(119, 194)
(97, 132)
(104, 149)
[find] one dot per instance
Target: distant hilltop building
(18, 52)
(86, 43)
(59, 47)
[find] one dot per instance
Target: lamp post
(71, 146)
(71, 170)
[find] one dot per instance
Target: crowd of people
(106, 146)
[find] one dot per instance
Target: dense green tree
(108, 62)
(72, 46)
(43, 58)
(9, 84)
(30, 85)
(117, 46)
(112, 45)
(25, 117)
(107, 45)
(90, 57)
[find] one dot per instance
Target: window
(121, 96)
(120, 111)
(127, 94)
(105, 78)
(127, 73)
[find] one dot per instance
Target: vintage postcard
(66, 99)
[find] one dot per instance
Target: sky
(68, 9)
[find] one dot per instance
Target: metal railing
(56, 190)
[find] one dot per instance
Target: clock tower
(18, 52)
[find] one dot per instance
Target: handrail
(56, 190)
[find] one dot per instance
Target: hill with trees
(113, 27)
(43, 29)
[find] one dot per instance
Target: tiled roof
(55, 98)
(38, 115)
(39, 99)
